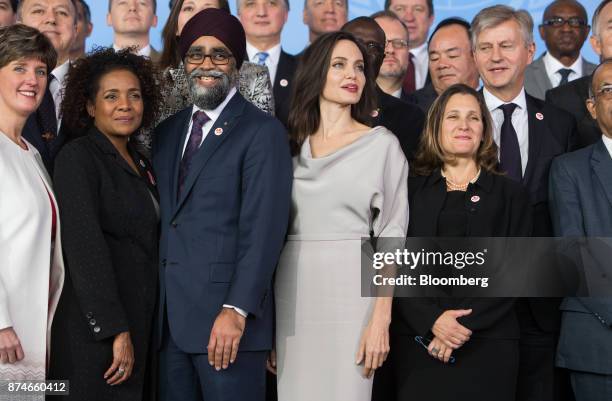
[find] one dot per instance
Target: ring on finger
(434, 350)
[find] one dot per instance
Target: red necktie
(409, 79)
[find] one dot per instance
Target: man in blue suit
(581, 206)
(224, 175)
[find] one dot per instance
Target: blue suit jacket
(581, 206)
(221, 240)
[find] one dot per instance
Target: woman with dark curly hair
(109, 210)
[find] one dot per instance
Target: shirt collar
(553, 65)
(608, 142)
(419, 51)
(214, 114)
(493, 102)
(60, 72)
(145, 51)
(273, 53)
(484, 181)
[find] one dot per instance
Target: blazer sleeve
(88, 257)
(564, 202)
(5, 316)
(264, 216)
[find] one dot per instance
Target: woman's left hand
(439, 350)
(374, 346)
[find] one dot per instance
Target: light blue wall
(295, 33)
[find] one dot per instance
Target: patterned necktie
(565, 72)
(195, 140)
(47, 118)
(510, 152)
(262, 57)
(410, 78)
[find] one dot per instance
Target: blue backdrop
(295, 33)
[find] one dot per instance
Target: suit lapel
(283, 72)
(536, 127)
(182, 124)
(601, 162)
(224, 125)
(541, 77)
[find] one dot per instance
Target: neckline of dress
(308, 152)
(27, 150)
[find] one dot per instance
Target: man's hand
(225, 338)
(450, 331)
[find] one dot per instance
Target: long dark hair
(310, 78)
(431, 156)
(171, 57)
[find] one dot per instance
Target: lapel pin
(475, 198)
(142, 163)
(540, 116)
(284, 83)
(218, 131)
(151, 179)
(375, 113)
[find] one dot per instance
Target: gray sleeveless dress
(337, 199)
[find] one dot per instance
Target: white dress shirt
(145, 51)
(608, 142)
(553, 65)
(57, 86)
(520, 121)
(272, 60)
(421, 65)
(397, 93)
(213, 115)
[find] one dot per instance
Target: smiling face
(450, 58)
(323, 16)
(56, 19)
(461, 130)
(7, 16)
(191, 8)
(263, 18)
(131, 16)
(417, 17)
(346, 76)
(501, 57)
(22, 86)
(118, 106)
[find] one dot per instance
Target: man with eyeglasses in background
(450, 61)
(564, 29)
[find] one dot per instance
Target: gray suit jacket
(537, 81)
(581, 206)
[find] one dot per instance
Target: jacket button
(96, 329)
(89, 315)
(174, 224)
(92, 322)
(163, 262)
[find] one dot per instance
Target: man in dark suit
(572, 97)
(529, 133)
(564, 29)
(224, 178)
(132, 21)
(57, 20)
(263, 22)
(581, 206)
(450, 61)
(403, 119)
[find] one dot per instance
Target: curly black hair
(83, 83)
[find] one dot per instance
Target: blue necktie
(195, 140)
(262, 57)
(565, 72)
(509, 150)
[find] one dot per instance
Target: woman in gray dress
(350, 181)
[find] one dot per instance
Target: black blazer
(285, 71)
(571, 98)
(110, 240)
(32, 132)
(405, 120)
(502, 211)
(423, 98)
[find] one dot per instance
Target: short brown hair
(304, 117)
(431, 156)
(20, 41)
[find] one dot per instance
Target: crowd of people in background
(186, 223)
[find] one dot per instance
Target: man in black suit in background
(529, 133)
(403, 119)
(572, 97)
(263, 22)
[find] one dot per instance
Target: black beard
(209, 98)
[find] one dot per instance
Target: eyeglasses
(425, 343)
(397, 44)
(604, 92)
(574, 22)
(217, 58)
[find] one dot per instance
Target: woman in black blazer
(455, 191)
(109, 210)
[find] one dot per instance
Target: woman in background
(456, 191)
(108, 200)
(31, 264)
(350, 181)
